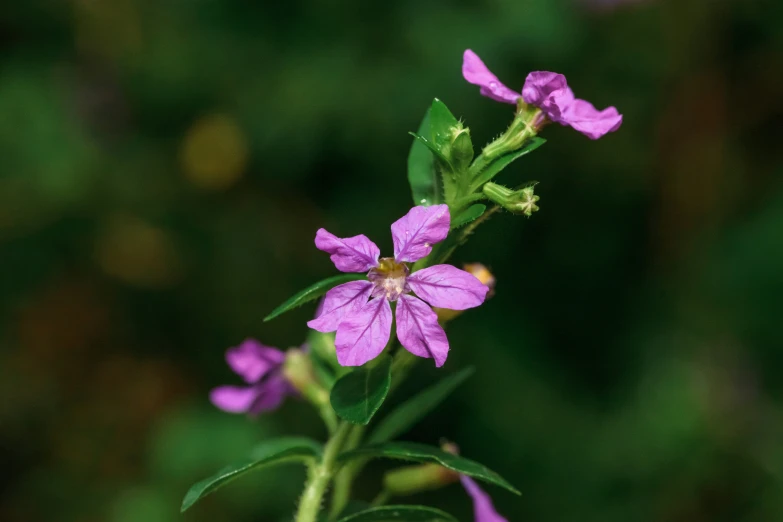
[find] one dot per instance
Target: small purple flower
(261, 368)
(484, 510)
(360, 312)
(548, 91)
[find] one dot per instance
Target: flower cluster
(549, 92)
(360, 311)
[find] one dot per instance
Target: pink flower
(360, 311)
(261, 368)
(548, 91)
(483, 509)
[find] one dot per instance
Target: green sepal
(488, 172)
(357, 396)
(268, 453)
(411, 451)
(400, 514)
(311, 293)
(407, 414)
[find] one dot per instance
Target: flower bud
(481, 273)
(461, 147)
(517, 201)
(415, 479)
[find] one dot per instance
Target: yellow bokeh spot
(137, 252)
(214, 152)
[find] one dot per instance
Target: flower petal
(416, 232)
(363, 335)
(484, 510)
(271, 394)
(585, 118)
(342, 300)
(418, 330)
(350, 254)
(475, 72)
(446, 286)
(251, 360)
(234, 399)
(541, 85)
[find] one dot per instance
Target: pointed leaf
(269, 453)
(471, 213)
(312, 292)
(430, 146)
(492, 170)
(400, 514)
(407, 414)
(357, 396)
(422, 175)
(422, 453)
(442, 121)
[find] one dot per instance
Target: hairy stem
(344, 478)
(320, 475)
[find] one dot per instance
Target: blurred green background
(165, 166)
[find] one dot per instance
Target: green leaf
(312, 292)
(442, 121)
(268, 453)
(422, 176)
(471, 213)
(400, 514)
(357, 396)
(407, 414)
(502, 162)
(442, 124)
(422, 453)
(430, 146)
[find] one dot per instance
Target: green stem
(344, 478)
(329, 418)
(320, 475)
(382, 498)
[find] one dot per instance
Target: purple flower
(360, 310)
(483, 509)
(548, 91)
(261, 368)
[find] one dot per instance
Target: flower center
(389, 278)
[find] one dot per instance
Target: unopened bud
(461, 147)
(415, 479)
(517, 201)
(481, 273)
